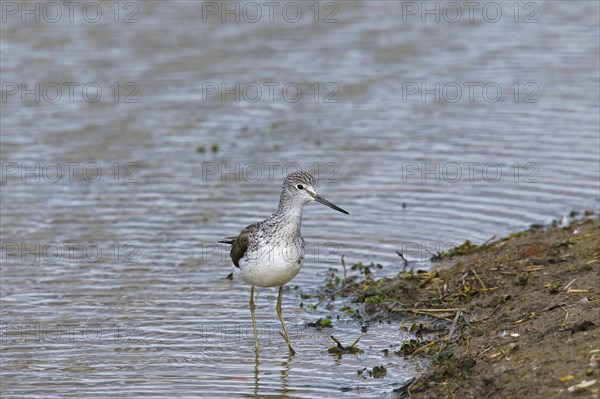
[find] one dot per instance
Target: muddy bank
(514, 318)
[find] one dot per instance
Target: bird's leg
(252, 307)
(279, 313)
(256, 372)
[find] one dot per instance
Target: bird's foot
(287, 340)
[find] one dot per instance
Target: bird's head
(301, 188)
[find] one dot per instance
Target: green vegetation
(375, 372)
(465, 248)
(340, 349)
(325, 323)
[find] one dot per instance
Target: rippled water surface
(112, 285)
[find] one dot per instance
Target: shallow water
(124, 294)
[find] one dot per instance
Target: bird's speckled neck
(288, 217)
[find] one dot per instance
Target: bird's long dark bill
(323, 201)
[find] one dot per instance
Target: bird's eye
(300, 186)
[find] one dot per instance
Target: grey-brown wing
(241, 243)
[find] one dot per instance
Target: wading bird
(270, 253)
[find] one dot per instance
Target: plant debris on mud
(521, 315)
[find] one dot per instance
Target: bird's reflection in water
(256, 371)
(284, 373)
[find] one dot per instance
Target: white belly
(271, 266)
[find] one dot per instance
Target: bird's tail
(228, 240)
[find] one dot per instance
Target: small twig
(433, 315)
(468, 346)
(500, 244)
(430, 277)
(344, 265)
(569, 285)
(339, 344)
(552, 306)
(433, 342)
(462, 278)
(345, 349)
(453, 327)
(428, 310)
(414, 383)
(485, 350)
(489, 240)
(356, 342)
(401, 255)
(533, 268)
(478, 279)
(583, 236)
